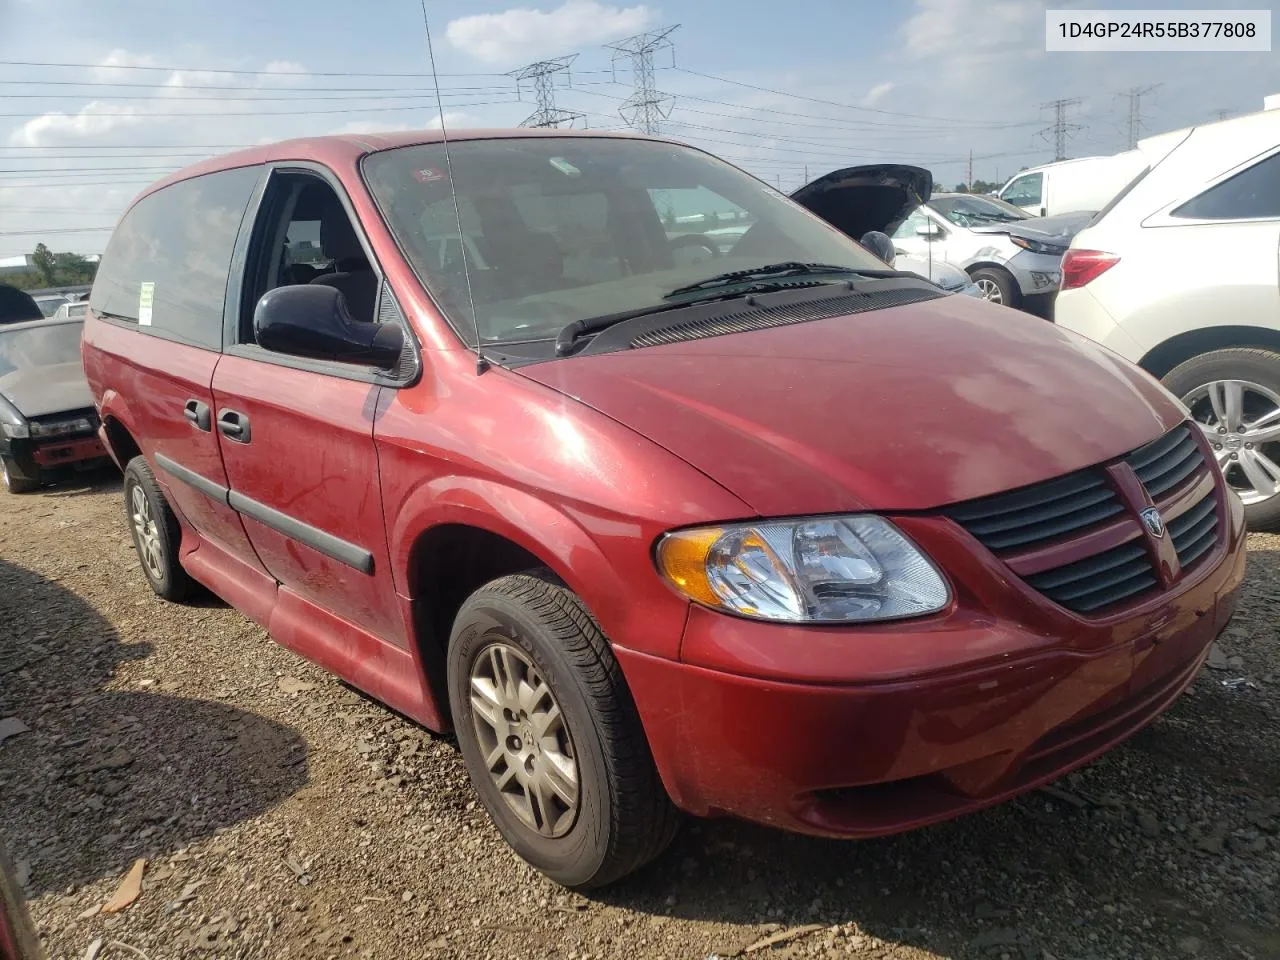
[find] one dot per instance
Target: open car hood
(876, 196)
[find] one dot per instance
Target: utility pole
(646, 108)
(1135, 95)
(968, 175)
(1061, 128)
(543, 74)
(1222, 114)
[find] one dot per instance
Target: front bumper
(57, 453)
(932, 719)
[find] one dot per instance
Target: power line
(1061, 128)
(646, 108)
(543, 74)
(281, 113)
(238, 73)
(1135, 95)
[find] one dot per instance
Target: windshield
(39, 346)
(556, 230)
(971, 211)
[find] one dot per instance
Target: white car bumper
(1079, 311)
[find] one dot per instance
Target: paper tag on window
(146, 299)
(429, 175)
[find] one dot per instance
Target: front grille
(1035, 515)
(1099, 581)
(1022, 525)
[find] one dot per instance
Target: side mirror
(879, 244)
(313, 321)
(930, 231)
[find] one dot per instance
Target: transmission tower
(1061, 127)
(1135, 95)
(543, 74)
(647, 107)
(1222, 114)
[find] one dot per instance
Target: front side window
(561, 229)
(1252, 194)
(40, 346)
(912, 226)
(166, 265)
(1024, 191)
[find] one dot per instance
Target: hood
(39, 391)
(871, 197)
(848, 413)
(1058, 229)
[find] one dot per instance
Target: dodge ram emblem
(1152, 520)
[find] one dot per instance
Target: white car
(1181, 275)
(1071, 186)
(1009, 254)
(75, 308)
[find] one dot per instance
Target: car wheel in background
(1234, 395)
(996, 286)
(550, 734)
(155, 532)
(18, 480)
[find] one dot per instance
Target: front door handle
(198, 413)
(234, 426)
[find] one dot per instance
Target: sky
(99, 98)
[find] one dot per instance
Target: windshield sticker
(565, 167)
(429, 175)
(146, 299)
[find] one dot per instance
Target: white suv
(1181, 274)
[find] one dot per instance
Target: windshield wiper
(787, 268)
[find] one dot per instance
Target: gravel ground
(281, 814)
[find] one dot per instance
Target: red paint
(585, 462)
(61, 452)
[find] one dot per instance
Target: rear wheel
(550, 734)
(1234, 396)
(996, 286)
(155, 531)
(17, 479)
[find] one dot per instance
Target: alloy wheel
(524, 739)
(989, 289)
(1241, 420)
(150, 549)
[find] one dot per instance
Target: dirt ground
(281, 814)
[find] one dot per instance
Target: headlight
(57, 428)
(1035, 246)
(842, 569)
(14, 431)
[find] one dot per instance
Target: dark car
(17, 306)
(775, 532)
(47, 417)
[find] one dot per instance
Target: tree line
(51, 269)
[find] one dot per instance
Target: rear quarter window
(179, 240)
(1252, 194)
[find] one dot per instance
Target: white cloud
(93, 121)
(523, 33)
(877, 93)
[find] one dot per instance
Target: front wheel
(550, 734)
(1234, 396)
(996, 286)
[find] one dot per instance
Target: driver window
(1025, 191)
(917, 221)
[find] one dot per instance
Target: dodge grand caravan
(780, 534)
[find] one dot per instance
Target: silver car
(1009, 254)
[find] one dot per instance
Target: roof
(346, 149)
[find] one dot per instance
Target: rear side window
(1252, 194)
(167, 263)
(1025, 191)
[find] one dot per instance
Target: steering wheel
(695, 240)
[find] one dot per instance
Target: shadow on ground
(105, 775)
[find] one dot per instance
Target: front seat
(354, 277)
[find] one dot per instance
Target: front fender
(603, 560)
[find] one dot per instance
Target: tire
(1259, 372)
(17, 480)
(158, 552)
(999, 283)
(622, 817)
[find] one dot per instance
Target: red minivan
(657, 489)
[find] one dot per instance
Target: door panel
(159, 377)
(303, 472)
